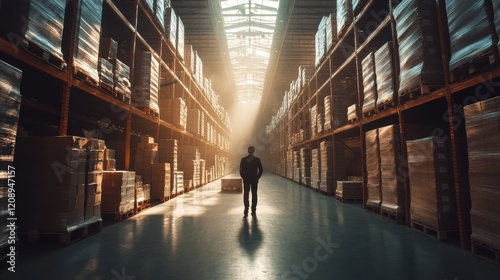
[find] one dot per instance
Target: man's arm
(241, 168)
(261, 170)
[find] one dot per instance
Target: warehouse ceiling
(292, 45)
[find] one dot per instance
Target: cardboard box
(231, 184)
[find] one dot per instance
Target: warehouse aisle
(297, 234)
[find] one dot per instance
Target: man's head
(251, 150)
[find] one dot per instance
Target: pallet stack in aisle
(146, 83)
(369, 85)
(374, 195)
(86, 47)
(189, 163)
(385, 76)
(315, 168)
(203, 172)
(327, 165)
(305, 166)
(482, 123)
(54, 189)
(10, 101)
(142, 195)
(392, 204)
(419, 42)
(118, 193)
(432, 202)
(473, 42)
(344, 16)
(350, 190)
(168, 153)
(160, 181)
(21, 24)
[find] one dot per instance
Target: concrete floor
(297, 234)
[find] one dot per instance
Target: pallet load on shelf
(109, 160)
(146, 83)
(199, 69)
(37, 22)
(390, 171)
(472, 36)
(340, 103)
(482, 123)
(374, 198)
(118, 191)
(10, 103)
(289, 164)
(88, 31)
(369, 85)
(385, 75)
(313, 120)
(328, 113)
(175, 112)
(432, 203)
(344, 16)
(56, 192)
(305, 73)
(160, 182)
(496, 19)
(331, 31)
(419, 44)
(195, 122)
(305, 166)
(157, 9)
(146, 155)
(352, 114)
(320, 41)
(189, 163)
(111, 67)
(171, 26)
(357, 6)
(189, 58)
(319, 123)
(296, 166)
(121, 78)
(168, 153)
(179, 43)
(326, 178)
(106, 80)
(315, 168)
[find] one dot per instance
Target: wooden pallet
(386, 105)
(70, 237)
(353, 120)
(485, 251)
(43, 54)
(124, 97)
(369, 113)
(349, 199)
(392, 216)
(106, 88)
(416, 92)
(473, 66)
(372, 209)
(150, 112)
(440, 235)
(84, 77)
(119, 216)
(142, 205)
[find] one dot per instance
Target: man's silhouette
(250, 170)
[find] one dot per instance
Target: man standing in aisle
(250, 170)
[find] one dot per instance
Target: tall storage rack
(58, 100)
(434, 110)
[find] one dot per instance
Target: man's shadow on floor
(250, 235)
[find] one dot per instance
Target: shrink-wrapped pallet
(315, 168)
(327, 167)
(180, 41)
(289, 164)
(160, 188)
(87, 36)
(344, 16)
(496, 19)
(296, 166)
(432, 202)
(174, 111)
(121, 77)
(320, 41)
(313, 120)
(384, 73)
(171, 26)
(118, 191)
(178, 183)
(146, 82)
(305, 166)
(109, 160)
(328, 113)
(482, 122)
(331, 38)
(106, 73)
(194, 121)
(373, 169)
(471, 32)
(357, 6)
(419, 45)
(305, 73)
(352, 114)
(189, 58)
(369, 84)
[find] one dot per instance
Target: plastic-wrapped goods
(305, 166)
(470, 30)
(319, 123)
(174, 111)
(496, 19)
(390, 168)
(118, 191)
(373, 169)
(88, 32)
(199, 69)
(419, 45)
(10, 101)
(331, 31)
(482, 122)
(352, 115)
(108, 48)
(37, 21)
(191, 169)
(53, 190)
(432, 201)
(384, 72)
(160, 12)
(189, 58)
(357, 6)
(315, 168)
(150, 4)
(369, 84)
(109, 160)
(180, 38)
(320, 41)
(160, 181)
(289, 164)
(146, 82)
(194, 121)
(326, 168)
(171, 26)
(106, 73)
(121, 77)
(296, 166)
(168, 3)
(178, 183)
(344, 16)
(313, 120)
(328, 113)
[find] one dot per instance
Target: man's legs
(246, 191)
(254, 197)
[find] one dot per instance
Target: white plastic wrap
(315, 168)
(331, 31)
(344, 16)
(390, 168)
(106, 73)
(369, 83)
(305, 166)
(373, 169)
(470, 31)
(320, 40)
(160, 12)
(171, 26)
(419, 47)
(146, 82)
(357, 6)
(121, 77)
(88, 32)
(180, 37)
(328, 113)
(384, 73)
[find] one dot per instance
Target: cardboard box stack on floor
(168, 153)
(93, 181)
(373, 170)
(118, 191)
(189, 163)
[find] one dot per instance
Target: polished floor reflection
(297, 234)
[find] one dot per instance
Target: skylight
(249, 26)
